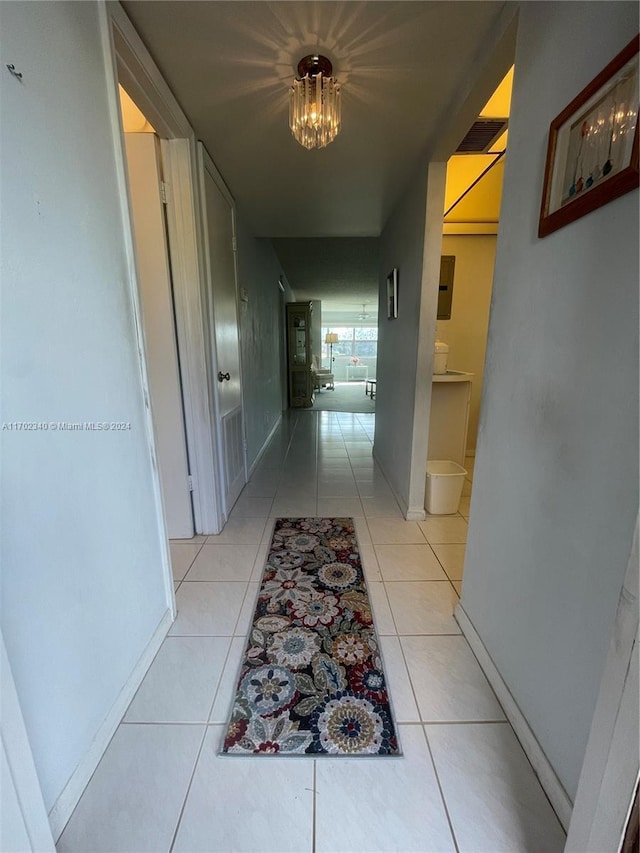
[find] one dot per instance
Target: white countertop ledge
(452, 376)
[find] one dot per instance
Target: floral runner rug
(311, 679)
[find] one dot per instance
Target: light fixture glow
(314, 103)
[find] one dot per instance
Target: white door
(218, 216)
(156, 300)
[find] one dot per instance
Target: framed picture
(592, 155)
(392, 294)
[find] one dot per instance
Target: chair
(322, 376)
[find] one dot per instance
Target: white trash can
(444, 486)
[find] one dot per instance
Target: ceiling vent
(482, 135)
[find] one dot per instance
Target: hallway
(463, 782)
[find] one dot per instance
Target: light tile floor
(463, 782)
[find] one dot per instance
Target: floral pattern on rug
(311, 679)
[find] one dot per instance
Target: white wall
(556, 480)
(466, 331)
(403, 392)
(412, 241)
(262, 329)
(82, 557)
(401, 246)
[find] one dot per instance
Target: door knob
(222, 376)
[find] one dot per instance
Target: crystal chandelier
(314, 105)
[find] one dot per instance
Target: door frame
(144, 173)
(136, 70)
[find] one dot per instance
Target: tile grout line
(449, 578)
(211, 723)
(217, 690)
(444, 802)
(421, 722)
(388, 600)
(188, 791)
(427, 634)
(413, 690)
(314, 809)
(316, 457)
(195, 557)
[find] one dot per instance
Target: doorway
(144, 168)
(348, 347)
(135, 70)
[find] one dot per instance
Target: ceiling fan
(363, 315)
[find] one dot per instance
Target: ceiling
(402, 66)
(473, 190)
(338, 270)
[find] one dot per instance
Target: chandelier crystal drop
(314, 104)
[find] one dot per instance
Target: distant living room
(349, 355)
(354, 354)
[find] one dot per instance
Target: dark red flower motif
(235, 732)
(369, 682)
(364, 617)
(267, 746)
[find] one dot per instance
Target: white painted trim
(22, 773)
(133, 288)
(211, 167)
(415, 515)
(263, 449)
(552, 786)
(72, 791)
(144, 82)
(147, 203)
(142, 79)
(430, 280)
(610, 768)
(182, 224)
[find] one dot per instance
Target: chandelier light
(314, 105)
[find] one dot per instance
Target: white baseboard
(256, 461)
(410, 514)
(68, 799)
(415, 515)
(552, 786)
